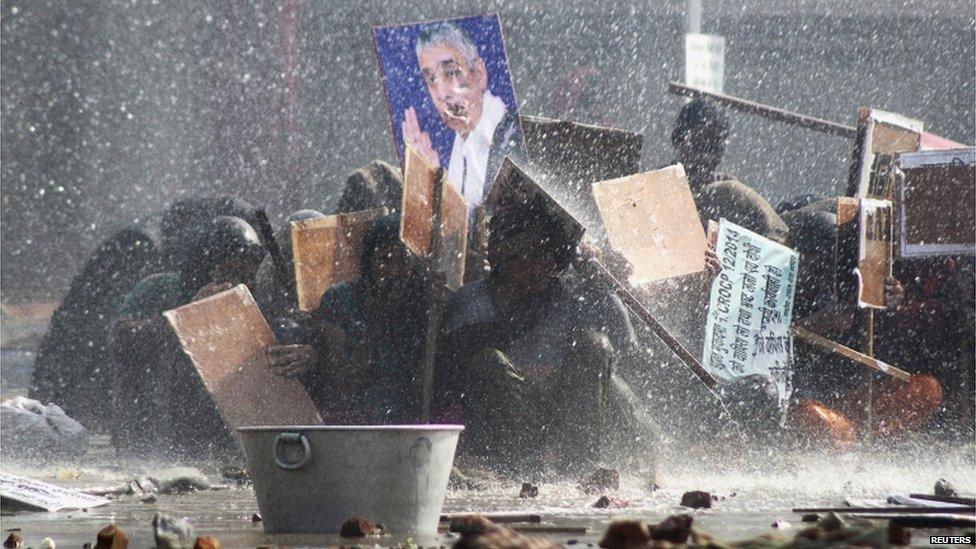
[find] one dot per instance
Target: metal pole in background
(693, 16)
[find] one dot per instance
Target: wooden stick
(836, 348)
(867, 347)
(904, 510)
(433, 302)
(550, 529)
(266, 233)
(497, 518)
(536, 529)
(766, 111)
(659, 330)
(926, 521)
(945, 499)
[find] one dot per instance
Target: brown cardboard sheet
(652, 220)
(567, 158)
(327, 252)
(225, 337)
(419, 215)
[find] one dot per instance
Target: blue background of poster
(395, 46)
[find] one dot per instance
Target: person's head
(113, 269)
(527, 246)
(283, 234)
(385, 262)
(185, 223)
(230, 251)
(795, 203)
(455, 74)
(577, 97)
(699, 137)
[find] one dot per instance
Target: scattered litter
(206, 543)
(624, 534)
(945, 488)
(13, 540)
(696, 499)
(21, 493)
(236, 474)
(358, 527)
(111, 537)
(675, 529)
(601, 480)
(172, 533)
(35, 431)
(528, 490)
(178, 480)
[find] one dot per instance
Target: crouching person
(358, 353)
(526, 355)
(147, 402)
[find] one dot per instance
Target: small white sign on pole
(705, 61)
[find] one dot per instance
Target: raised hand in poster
(418, 139)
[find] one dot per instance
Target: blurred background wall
(112, 109)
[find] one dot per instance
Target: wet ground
(751, 497)
(754, 491)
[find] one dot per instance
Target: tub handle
(291, 438)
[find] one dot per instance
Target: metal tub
(312, 478)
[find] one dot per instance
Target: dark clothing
(184, 225)
(384, 355)
(721, 195)
(537, 380)
(539, 332)
(276, 299)
(375, 185)
(506, 141)
(153, 296)
(737, 202)
(73, 362)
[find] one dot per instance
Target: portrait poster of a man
(450, 96)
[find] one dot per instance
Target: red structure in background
(257, 86)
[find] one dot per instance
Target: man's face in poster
(455, 84)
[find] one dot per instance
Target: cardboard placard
(225, 338)
(566, 158)
(419, 184)
(454, 236)
(881, 136)
(747, 330)
(515, 186)
(874, 251)
(36, 495)
(652, 220)
(935, 203)
(846, 250)
(327, 252)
